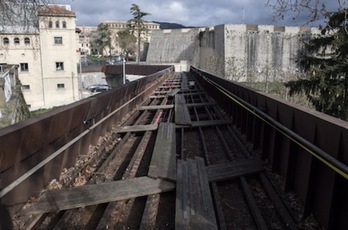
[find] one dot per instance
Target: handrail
(318, 153)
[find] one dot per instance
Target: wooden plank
(233, 170)
(181, 214)
(137, 128)
(182, 115)
(161, 92)
(56, 200)
(208, 207)
(201, 104)
(163, 162)
(210, 123)
(192, 91)
(173, 92)
(155, 107)
(157, 96)
(194, 204)
(184, 81)
(204, 123)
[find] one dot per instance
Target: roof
(55, 10)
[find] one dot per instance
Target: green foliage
(326, 66)
(102, 39)
(126, 41)
(137, 26)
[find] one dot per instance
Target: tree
(326, 68)
(309, 10)
(126, 41)
(19, 12)
(102, 39)
(137, 26)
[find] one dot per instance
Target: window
(24, 67)
(16, 40)
(57, 24)
(6, 41)
(58, 40)
(64, 24)
(25, 87)
(59, 66)
(60, 86)
(27, 41)
(50, 24)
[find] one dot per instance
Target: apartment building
(85, 40)
(44, 46)
(115, 26)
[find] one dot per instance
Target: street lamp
(124, 70)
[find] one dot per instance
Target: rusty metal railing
(308, 148)
(34, 151)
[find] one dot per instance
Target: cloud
(186, 12)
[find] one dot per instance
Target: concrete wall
(172, 46)
(260, 52)
(236, 52)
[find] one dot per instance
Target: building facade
(85, 40)
(46, 53)
(115, 26)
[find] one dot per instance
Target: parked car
(98, 88)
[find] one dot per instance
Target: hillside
(168, 25)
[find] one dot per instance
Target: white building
(85, 40)
(44, 45)
(115, 26)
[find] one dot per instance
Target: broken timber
(155, 107)
(194, 205)
(233, 170)
(136, 128)
(163, 162)
(56, 200)
(182, 115)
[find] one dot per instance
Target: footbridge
(175, 150)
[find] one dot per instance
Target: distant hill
(168, 25)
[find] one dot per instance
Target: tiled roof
(55, 10)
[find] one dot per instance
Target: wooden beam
(201, 104)
(163, 162)
(56, 200)
(194, 204)
(173, 92)
(227, 171)
(155, 107)
(136, 128)
(182, 115)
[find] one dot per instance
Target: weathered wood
(155, 107)
(157, 96)
(233, 170)
(182, 115)
(163, 162)
(254, 209)
(210, 123)
(200, 104)
(173, 92)
(184, 82)
(194, 204)
(136, 128)
(56, 200)
(278, 204)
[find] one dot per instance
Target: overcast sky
(186, 12)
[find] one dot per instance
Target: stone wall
(169, 46)
(237, 52)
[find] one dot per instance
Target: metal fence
(309, 149)
(34, 151)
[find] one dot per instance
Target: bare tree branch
(314, 10)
